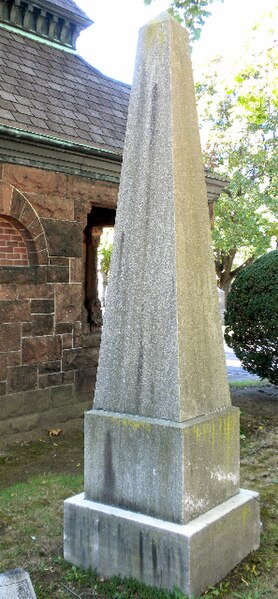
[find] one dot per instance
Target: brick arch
(18, 211)
(15, 243)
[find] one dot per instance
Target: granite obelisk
(162, 501)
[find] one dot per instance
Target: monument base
(190, 557)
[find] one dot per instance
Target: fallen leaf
(54, 432)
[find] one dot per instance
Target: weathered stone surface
(74, 359)
(50, 380)
(49, 206)
(14, 311)
(62, 395)
(3, 388)
(7, 291)
(67, 341)
(162, 353)
(17, 204)
(64, 238)
(5, 198)
(22, 378)
(197, 458)
(35, 292)
(63, 328)
(68, 302)
(42, 306)
(3, 367)
(26, 329)
(38, 180)
(14, 358)
(27, 215)
(60, 261)
(57, 274)
(76, 270)
(16, 584)
(49, 367)
(162, 439)
(41, 349)
(160, 553)
(42, 324)
(85, 383)
(10, 337)
(22, 274)
(36, 401)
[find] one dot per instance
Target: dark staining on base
(154, 562)
(141, 555)
(109, 472)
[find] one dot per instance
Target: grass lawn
(36, 477)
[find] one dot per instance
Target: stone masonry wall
(48, 353)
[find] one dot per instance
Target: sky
(110, 43)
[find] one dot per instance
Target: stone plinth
(162, 500)
(157, 552)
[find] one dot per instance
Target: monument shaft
(162, 440)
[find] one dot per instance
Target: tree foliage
(251, 318)
(193, 13)
(238, 113)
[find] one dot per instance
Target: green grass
(31, 526)
(249, 383)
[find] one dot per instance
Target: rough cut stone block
(190, 557)
(10, 337)
(68, 302)
(62, 396)
(35, 292)
(64, 238)
(85, 379)
(50, 380)
(3, 388)
(21, 378)
(42, 306)
(16, 584)
(17, 204)
(39, 180)
(74, 359)
(49, 367)
(57, 274)
(14, 311)
(42, 324)
(201, 463)
(22, 274)
(41, 349)
(63, 328)
(14, 358)
(7, 291)
(49, 206)
(3, 366)
(76, 270)
(5, 198)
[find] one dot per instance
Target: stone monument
(162, 501)
(16, 584)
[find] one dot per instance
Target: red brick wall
(13, 251)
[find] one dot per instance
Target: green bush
(251, 317)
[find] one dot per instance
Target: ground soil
(63, 452)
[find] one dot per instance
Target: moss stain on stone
(154, 34)
(134, 424)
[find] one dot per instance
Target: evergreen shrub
(251, 317)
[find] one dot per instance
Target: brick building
(62, 126)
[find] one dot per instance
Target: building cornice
(44, 19)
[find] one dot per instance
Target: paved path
(234, 368)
